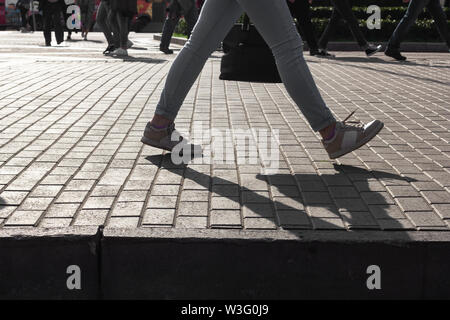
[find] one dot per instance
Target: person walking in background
(343, 9)
(103, 19)
(24, 7)
(273, 20)
(87, 8)
(52, 10)
(300, 10)
(415, 7)
(175, 10)
(122, 11)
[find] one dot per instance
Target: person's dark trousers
(23, 16)
(301, 11)
(171, 22)
(102, 20)
(52, 13)
(118, 23)
(415, 7)
(342, 9)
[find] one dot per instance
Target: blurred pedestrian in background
(24, 6)
(300, 10)
(175, 10)
(104, 16)
(343, 9)
(87, 8)
(415, 7)
(122, 11)
(52, 10)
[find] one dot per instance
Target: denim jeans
(342, 9)
(273, 20)
(414, 9)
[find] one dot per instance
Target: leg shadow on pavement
(293, 208)
(139, 59)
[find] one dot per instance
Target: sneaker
(130, 44)
(120, 52)
(371, 49)
(395, 54)
(325, 53)
(166, 50)
(161, 138)
(350, 135)
(109, 50)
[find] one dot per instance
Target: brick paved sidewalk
(70, 151)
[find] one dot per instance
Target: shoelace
(352, 124)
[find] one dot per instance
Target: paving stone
(413, 204)
(225, 219)
(433, 197)
(37, 204)
(425, 218)
(123, 209)
(288, 191)
(288, 203)
(71, 197)
(91, 218)
(255, 197)
(13, 197)
(55, 222)
(165, 190)
(123, 222)
(65, 210)
(79, 185)
(105, 191)
(396, 224)
(159, 217)
(194, 195)
(24, 218)
(164, 202)
(126, 196)
(189, 208)
(294, 219)
(359, 220)
(231, 203)
(259, 223)
(386, 212)
(317, 198)
(192, 222)
(98, 203)
(328, 223)
(5, 211)
(376, 198)
(323, 212)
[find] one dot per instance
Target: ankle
(329, 132)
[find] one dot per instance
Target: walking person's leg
(168, 29)
(102, 20)
(56, 16)
(415, 7)
(114, 25)
(329, 29)
(191, 17)
(47, 26)
(300, 10)
(122, 21)
(345, 9)
(440, 19)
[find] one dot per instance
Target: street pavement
(71, 121)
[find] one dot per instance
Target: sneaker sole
(153, 143)
(363, 142)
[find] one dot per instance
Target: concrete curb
(159, 263)
(353, 46)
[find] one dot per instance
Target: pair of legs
(190, 12)
(342, 9)
(301, 11)
(52, 14)
(412, 13)
(275, 24)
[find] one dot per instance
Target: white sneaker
(120, 52)
(350, 135)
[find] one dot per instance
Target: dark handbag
(247, 56)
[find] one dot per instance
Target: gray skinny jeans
(275, 23)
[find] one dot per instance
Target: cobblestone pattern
(70, 153)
